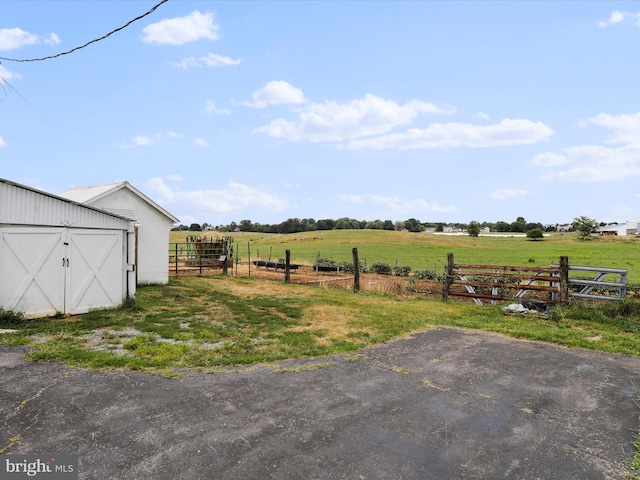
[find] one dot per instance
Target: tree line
(297, 225)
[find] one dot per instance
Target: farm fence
(493, 283)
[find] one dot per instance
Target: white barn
(153, 224)
(59, 256)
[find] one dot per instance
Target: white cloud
(201, 142)
(235, 197)
(3, 143)
(336, 122)
(175, 177)
(398, 205)
(147, 141)
(508, 132)
(507, 193)
(277, 92)
(7, 75)
(13, 38)
(52, 39)
(626, 128)
(138, 141)
(618, 17)
(181, 30)
(211, 108)
(550, 159)
(210, 60)
(482, 116)
(591, 163)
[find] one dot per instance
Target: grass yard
(211, 322)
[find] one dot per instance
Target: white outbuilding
(153, 224)
(621, 229)
(58, 256)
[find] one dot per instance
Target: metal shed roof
(90, 194)
(22, 205)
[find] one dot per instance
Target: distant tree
(585, 226)
(473, 229)
(502, 227)
(399, 226)
(412, 225)
(532, 226)
(535, 234)
(344, 224)
(388, 225)
(520, 225)
(440, 227)
(326, 224)
(246, 226)
(195, 227)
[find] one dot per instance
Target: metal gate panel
(31, 272)
(95, 273)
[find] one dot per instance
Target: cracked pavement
(443, 404)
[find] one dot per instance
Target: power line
(86, 44)
(3, 81)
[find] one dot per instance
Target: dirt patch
(329, 321)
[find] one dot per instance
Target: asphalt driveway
(445, 404)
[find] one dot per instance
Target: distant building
(620, 229)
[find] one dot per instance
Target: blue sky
(224, 111)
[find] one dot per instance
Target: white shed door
(48, 270)
(31, 272)
(95, 275)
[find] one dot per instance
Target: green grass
(214, 321)
(424, 251)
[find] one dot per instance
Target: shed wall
(23, 206)
(153, 234)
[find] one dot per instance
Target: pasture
(425, 251)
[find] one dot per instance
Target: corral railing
(200, 254)
(499, 283)
(552, 285)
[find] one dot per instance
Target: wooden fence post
(249, 257)
(448, 277)
(287, 263)
(356, 270)
(563, 297)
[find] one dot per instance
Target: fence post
(287, 264)
(356, 270)
(563, 297)
(448, 277)
(176, 258)
(225, 252)
(248, 257)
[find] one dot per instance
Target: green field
(425, 251)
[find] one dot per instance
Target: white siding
(21, 205)
(59, 256)
(153, 234)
